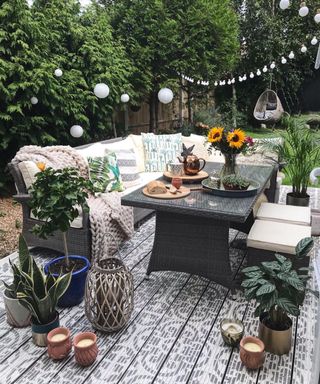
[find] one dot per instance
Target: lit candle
(232, 328)
(58, 337)
(85, 343)
(252, 347)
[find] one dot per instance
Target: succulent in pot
(38, 293)
(235, 183)
(279, 288)
(57, 196)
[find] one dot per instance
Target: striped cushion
(127, 162)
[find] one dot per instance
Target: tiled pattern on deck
(172, 337)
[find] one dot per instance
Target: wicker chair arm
(22, 198)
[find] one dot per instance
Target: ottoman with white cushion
(289, 214)
(269, 237)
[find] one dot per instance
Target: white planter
(17, 315)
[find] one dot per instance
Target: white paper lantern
(314, 41)
(251, 75)
(76, 131)
(317, 16)
(34, 100)
(304, 10)
(101, 90)
(165, 95)
(273, 65)
(291, 55)
(283, 60)
(58, 72)
(304, 49)
(265, 69)
(258, 72)
(125, 98)
(284, 4)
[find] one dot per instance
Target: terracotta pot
(59, 348)
(85, 354)
(17, 315)
(252, 359)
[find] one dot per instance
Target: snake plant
(37, 292)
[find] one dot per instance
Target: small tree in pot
(279, 289)
(56, 197)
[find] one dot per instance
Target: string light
(283, 60)
(284, 4)
(251, 75)
(264, 69)
(258, 72)
(291, 55)
(317, 16)
(273, 65)
(314, 41)
(304, 10)
(304, 49)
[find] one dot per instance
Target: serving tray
(210, 186)
(183, 192)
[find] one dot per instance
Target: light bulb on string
(265, 69)
(314, 41)
(317, 16)
(124, 98)
(284, 4)
(291, 55)
(233, 80)
(165, 95)
(58, 72)
(273, 65)
(101, 90)
(304, 10)
(304, 49)
(229, 82)
(215, 83)
(76, 131)
(244, 78)
(258, 72)
(283, 60)
(240, 79)
(34, 100)
(251, 75)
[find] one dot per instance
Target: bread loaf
(156, 187)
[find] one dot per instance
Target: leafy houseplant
(56, 197)
(37, 292)
(235, 182)
(279, 288)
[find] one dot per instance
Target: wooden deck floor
(173, 335)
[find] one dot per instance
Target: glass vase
(230, 165)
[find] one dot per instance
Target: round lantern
(124, 98)
(314, 41)
(165, 95)
(284, 4)
(317, 16)
(76, 131)
(304, 10)
(58, 72)
(34, 100)
(101, 90)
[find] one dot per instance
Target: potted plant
(38, 293)
(17, 315)
(235, 183)
(299, 151)
(279, 289)
(56, 197)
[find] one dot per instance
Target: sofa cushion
(127, 162)
(139, 151)
(277, 237)
(93, 150)
(285, 213)
(160, 149)
(105, 173)
(28, 171)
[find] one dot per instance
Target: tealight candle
(252, 347)
(85, 348)
(231, 331)
(58, 337)
(85, 343)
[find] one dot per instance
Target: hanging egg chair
(268, 108)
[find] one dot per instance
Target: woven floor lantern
(109, 295)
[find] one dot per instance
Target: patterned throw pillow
(127, 162)
(105, 173)
(160, 149)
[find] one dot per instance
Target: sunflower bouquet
(230, 141)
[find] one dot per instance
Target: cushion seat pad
(285, 213)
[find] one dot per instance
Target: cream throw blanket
(110, 222)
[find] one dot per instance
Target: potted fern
(57, 195)
(279, 289)
(38, 293)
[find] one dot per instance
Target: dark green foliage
(278, 286)
(236, 181)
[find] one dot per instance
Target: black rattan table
(192, 233)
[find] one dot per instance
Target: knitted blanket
(110, 222)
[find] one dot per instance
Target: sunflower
(236, 138)
(215, 134)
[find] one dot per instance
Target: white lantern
(258, 72)
(273, 65)
(314, 41)
(284, 4)
(283, 60)
(291, 55)
(125, 98)
(165, 95)
(303, 49)
(317, 16)
(265, 69)
(304, 10)
(58, 72)
(101, 90)
(34, 100)
(76, 131)
(251, 75)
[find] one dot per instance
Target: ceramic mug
(176, 169)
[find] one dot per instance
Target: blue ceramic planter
(74, 294)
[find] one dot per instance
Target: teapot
(191, 162)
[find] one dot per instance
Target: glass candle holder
(231, 331)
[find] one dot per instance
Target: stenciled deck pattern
(173, 335)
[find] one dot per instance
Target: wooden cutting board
(186, 178)
(168, 195)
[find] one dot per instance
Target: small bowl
(231, 336)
